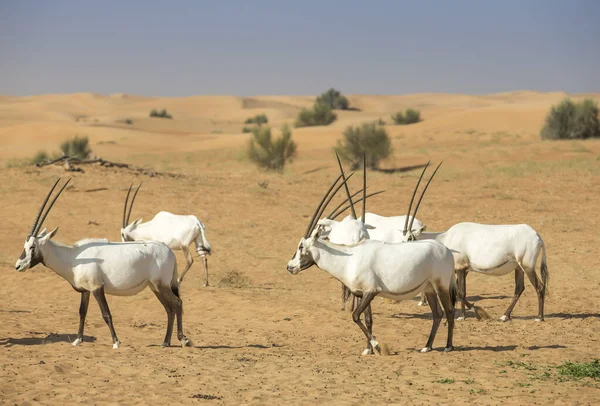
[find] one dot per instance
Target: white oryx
(175, 230)
(350, 230)
(371, 268)
(495, 250)
(102, 267)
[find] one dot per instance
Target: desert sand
(282, 338)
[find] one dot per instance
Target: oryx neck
(59, 258)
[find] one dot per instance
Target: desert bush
(320, 114)
(410, 116)
(334, 99)
(271, 153)
(572, 120)
(247, 129)
(39, 157)
(259, 119)
(234, 279)
(160, 114)
(368, 137)
(78, 147)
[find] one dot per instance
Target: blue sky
(181, 48)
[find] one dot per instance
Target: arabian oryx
(371, 268)
(175, 230)
(102, 267)
(495, 250)
(350, 230)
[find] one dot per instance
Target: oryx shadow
(223, 347)
(49, 339)
(561, 316)
(484, 297)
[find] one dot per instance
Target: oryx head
(32, 255)
(408, 234)
(126, 228)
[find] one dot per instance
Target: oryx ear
(419, 231)
(369, 227)
(49, 235)
(42, 233)
(137, 222)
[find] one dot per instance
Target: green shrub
(160, 114)
(572, 120)
(77, 147)
(247, 129)
(334, 99)
(41, 156)
(410, 116)
(320, 114)
(268, 153)
(368, 137)
(259, 119)
(582, 370)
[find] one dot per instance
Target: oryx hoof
(538, 319)
(206, 285)
(116, 344)
(426, 349)
(77, 342)
(367, 351)
(461, 318)
(422, 303)
(448, 349)
(186, 342)
(504, 318)
(165, 344)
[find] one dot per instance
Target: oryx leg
(537, 284)
(83, 307)
(358, 310)
(101, 299)
(449, 310)
(519, 288)
(369, 322)
(436, 312)
(461, 276)
(189, 260)
(205, 263)
(423, 300)
(178, 306)
(170, 314)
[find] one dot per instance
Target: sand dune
(283, 339)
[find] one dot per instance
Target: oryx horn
(423, 194)
(346, 185)
(338, 212)
(41, 222)
(413, 198)
(39, 213)
(364, 200)
(310, 224)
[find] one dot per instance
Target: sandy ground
(282, 338)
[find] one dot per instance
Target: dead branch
(70, 161)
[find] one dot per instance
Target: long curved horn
(124, 222)
(422, 194)
(364, 202)
(346, 185)
(342, 203)
(310, 224)
(50, 207)
(336, 215)
(413, 198)
(39, 213)
(322, 209)
(133, 200)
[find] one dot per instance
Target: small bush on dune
(572, 120)
(247, 129)
(410, 116)
(41, 156)
(334, 99)
(320, 114)
(269, 153)
(259, 119)
(160, 114)
(370, 138)
(78, 147)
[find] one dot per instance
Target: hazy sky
(254, 47)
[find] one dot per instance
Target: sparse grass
(578, 371)
(234, 279)
(444, 381)
(39, 157)
(523, 385)
(469, 381)
(258, 119)
(78, 147)
(476, 391)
